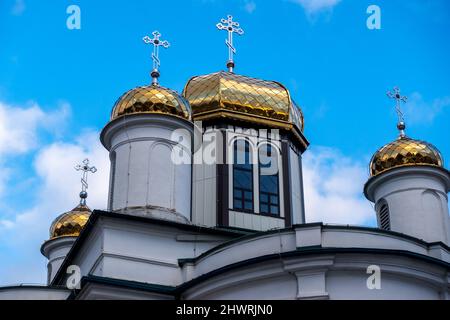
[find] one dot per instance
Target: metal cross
(156, 42)
(231, 27)
(85, 168)
(395, 94)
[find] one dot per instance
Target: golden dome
(70, 223)
(405, 152)
(228, 95)
(151, 99)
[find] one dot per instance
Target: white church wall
(351, 285)
(87, 258)
(326, 276)
(141, 252)
(33, 293)
(307, 237)
(106, 292)
(204, 211)
(55, 250)
(262, 282)
(253, 221)
(147, 175)
(414, 196)
(296, 187)
(150, 253)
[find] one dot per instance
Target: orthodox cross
(231, 27)
(395, 94)
(156, 42)
(85, 169)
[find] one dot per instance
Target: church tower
(409, 186)
(149, 142)
(65, 229)
(247, 173)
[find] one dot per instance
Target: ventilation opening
(383, 216)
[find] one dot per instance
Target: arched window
(269, 191)
(383, 215)
(242, 176)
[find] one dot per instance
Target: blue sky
(57, 88)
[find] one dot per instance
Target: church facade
(206, 201)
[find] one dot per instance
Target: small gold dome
(405, 152)
(151, 99)
(70, 223)
(228, 95)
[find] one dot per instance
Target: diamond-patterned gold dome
(70, 223)
(151, 99)
(403, 152)
(228, 95)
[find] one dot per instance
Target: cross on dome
(231, 27)
(395, 94)
(85, 169)
(156, 42)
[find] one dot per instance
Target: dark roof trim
(182, 226)
(31, 286)
(149, 287)
(100, 213)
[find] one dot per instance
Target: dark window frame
(241, 168)
(269, 195)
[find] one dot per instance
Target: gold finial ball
(70, 223)
(401, 126)
(405, 152)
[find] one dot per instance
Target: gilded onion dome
(151, 99)
(71, 223)
(228, 95)
(405, 152)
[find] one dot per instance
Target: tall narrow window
(112, 178)
(269, 194)
(383, 215)
(242, 176)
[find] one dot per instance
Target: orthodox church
(206, 202)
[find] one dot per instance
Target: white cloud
(250, 6)
(312, 7)
(6, 224)
(60, 184)
(52, 188)
(56, 192)
(419, 111)
(334, 188)
(19, 126)
(18, 7)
